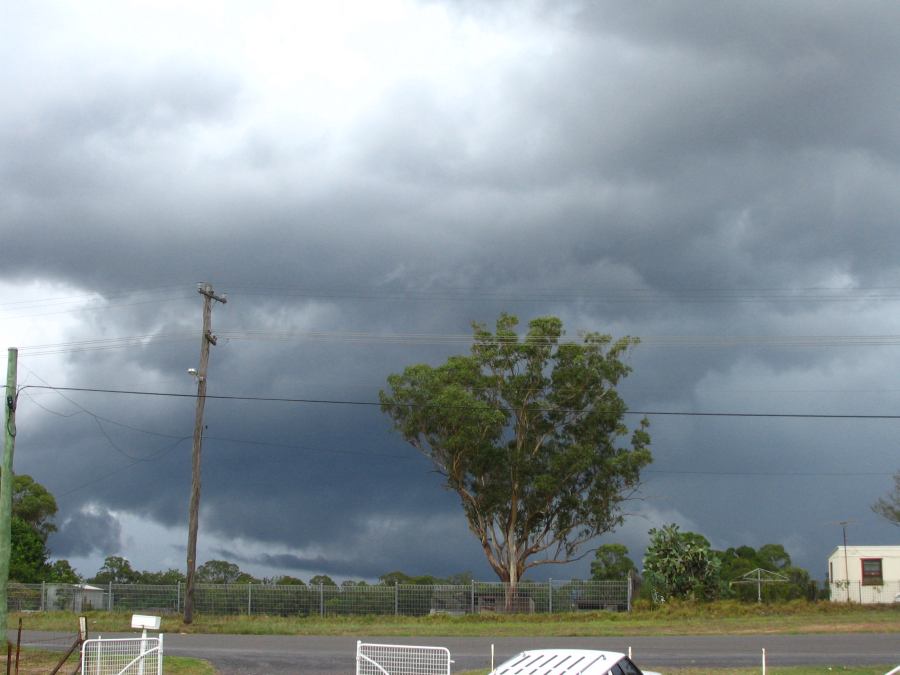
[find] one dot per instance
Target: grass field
(40, 662)
(675, 619)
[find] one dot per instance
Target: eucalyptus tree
(528, 432)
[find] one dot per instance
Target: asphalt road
(313, 655)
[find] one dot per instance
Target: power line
(380, 455)
(101, 303)
(367, 337)
(99, 420)
(647, 413)
(377, 455)
(606, 295)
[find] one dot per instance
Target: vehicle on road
(570, 662)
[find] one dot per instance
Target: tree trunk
(513, 567)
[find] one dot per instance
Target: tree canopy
(681, 565)
(34, 504)
(28, 555)
(62, 572)
(739, 563)
(116, 570)
(889, 506)
(322, 580)
(611, 563)
(222, 572)
(33, 509)
(526, 432)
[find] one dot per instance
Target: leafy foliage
(222, 572)
(34, 504)
(681, 565)
(165, 578)
(288, 580)
(525, 431)
(33, 509)
(116, 570)
(611, 563)
(889, 506)
(402, 578)
(737, 562)
(323, 580)
(28, 554)
(61, 572)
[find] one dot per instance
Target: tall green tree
(322, 580)
(287, 580)
(611, 563)
(34, 504)
(220, 572)
(681, 565)
(33, 510)
(28, 554)
(169, 577)
(526, 431)
(738, 566)
(62, 572)
(889, 506)
(116, 570)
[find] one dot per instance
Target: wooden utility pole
(207, 339)
(6, 481)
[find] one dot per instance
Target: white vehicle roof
(560, 662)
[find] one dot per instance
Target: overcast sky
(366, 179)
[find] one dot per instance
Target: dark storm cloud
(87, 532)
(627, 169)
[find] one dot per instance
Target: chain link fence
(477, 597)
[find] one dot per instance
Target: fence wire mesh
(376, 659)
(328, 600)
(122, 656)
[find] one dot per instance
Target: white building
(864, 574)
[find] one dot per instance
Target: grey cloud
(88, 531)
(647, 160)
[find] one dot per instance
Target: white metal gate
(123, 656)
(373, 659)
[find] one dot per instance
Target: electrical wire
(465, 339)
(332, 451)
(606, 295)
(645, 413)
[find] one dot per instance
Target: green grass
(724, 618)
(40, 661)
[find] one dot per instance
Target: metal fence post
(550, 595)
(473, 596)
(396, 599)
(43, 594)
(321, 600)
(630, 589)
(110, 600)
(249, 599)
(177, 596)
